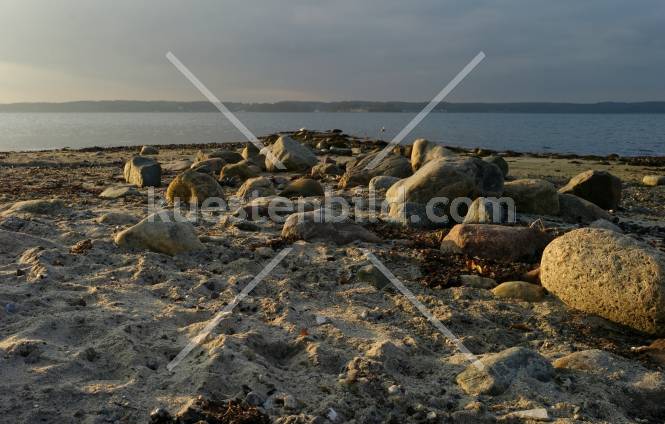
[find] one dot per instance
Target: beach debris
(519, 290)
(195, 187)
(533, 196)
(653, 180)
(81, 247)
(211, 411)
(324, 225)
(160, 233)
(598, 187)
(500, 370)
(293, 155)
(450, 178)
(608, 274)
(577, 210)
(423, 151)
(495, 242)
(143, 171)
(357, 174)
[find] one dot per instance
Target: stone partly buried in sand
(357, 173)
(519, 290)
(497, 242)
(256, 187)
(533, 196)
(577, 210)
(143, 171)
(228, 156)
(608, 274)
(654, 180)
(118, 192)
(489, 211)
(193, 187)
(242, 170)
(303, 187)
(36, 207)
(501, 369)
(212, 166)
(322, 170)
(599, 187)
(323, 225)
(293, 155)
(160, 233)
(382, 183)
(449, 178)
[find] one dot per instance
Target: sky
(381, 50)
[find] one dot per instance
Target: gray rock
(256, 187)
(117, 218)
(449, 178)
(143, 171)
(177, 166)
(160, 233)
(37, 207)
(149, 150)
(533, 196)
(228, 156)
(501, 369)
(500, 162)
(382, 182)
(293, 155)
(423, 151)
(599, 187)
(118, 192)
(489, 211)
(577, 210)
(608, 274)
(415, 215)
(357, 173)
(323, 225)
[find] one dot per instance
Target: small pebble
(11, 308)
(394, 389)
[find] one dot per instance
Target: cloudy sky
(268, 50)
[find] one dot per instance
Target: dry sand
(89, 331)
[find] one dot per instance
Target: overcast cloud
(267, 50)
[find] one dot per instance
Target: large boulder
(212, 166)
(303, 187)
(160, 233)
(382, 183)
(599, 187)
(489, 211)
(608, 274)
(450, 178)
(423, 151)
(577, 210)
(256, 187)
(500, 370)
(495, 242)
(194, 187)
(323, 170)
(293, 155)
(143, 171)
(500, 162)
(323, 225)
(149, 151)
(357, 173)
(416, 215)
(533, 196)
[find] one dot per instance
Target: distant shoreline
(129, 106)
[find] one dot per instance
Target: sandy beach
(88, 325)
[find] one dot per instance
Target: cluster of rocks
(570, 232)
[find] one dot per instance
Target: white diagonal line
(423, 310)
(427, 110)
(221, 107)
(227, 309)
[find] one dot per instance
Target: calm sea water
(627, 135)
